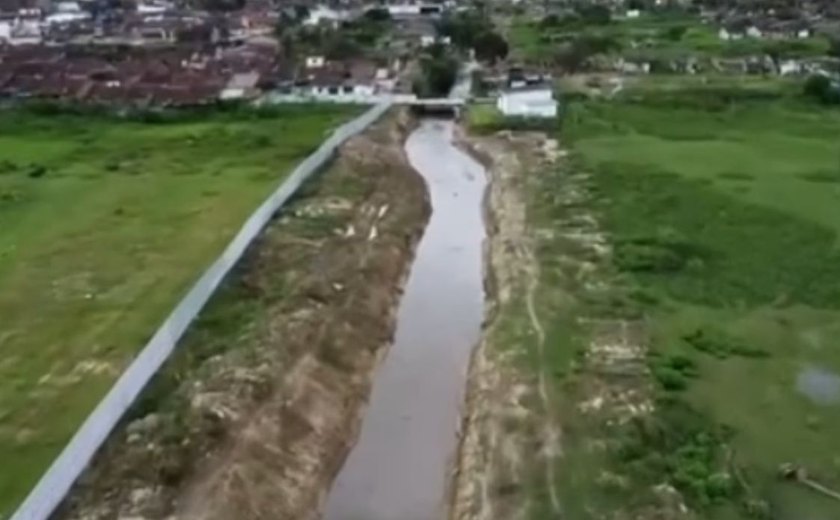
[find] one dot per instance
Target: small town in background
(162, 53)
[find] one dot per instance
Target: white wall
(5, 30)
(364, 90)
(322, 13)
(529, 103)
(404, 9)
(789, 67)
(314, 61)
(323, 93)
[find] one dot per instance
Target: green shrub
(669, 378)
(721, 345)
(485, 120)
(736, 176)
(672, 371)
(644, 296)
(822, 89)
(680, 445)
(36, 171)
(658, 254)
(7, 166)
(683, 364)
(821, 176)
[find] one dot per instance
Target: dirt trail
(552, 431)
(493, 456)
(550, 266)
(258, 428)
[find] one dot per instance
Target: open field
(653, 36)
(724, 224)
(104, 223)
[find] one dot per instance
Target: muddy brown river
(400, 467)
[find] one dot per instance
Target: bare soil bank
(508, 432)
(559, 361)
(257, 412)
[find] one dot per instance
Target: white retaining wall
(56, 482)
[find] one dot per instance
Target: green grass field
(724, 218)
(104, 223)
(654, 36)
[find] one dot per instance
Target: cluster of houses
(154, 53)
(735, 22)
(166, 77)
(746, 65)
(146, 22)
(157, 53)
(740, 28)
(180, 75)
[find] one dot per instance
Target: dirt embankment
(558, 362)
(255, 415)
(493, 456)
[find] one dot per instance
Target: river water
(399, 469)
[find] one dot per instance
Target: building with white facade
(528, 101)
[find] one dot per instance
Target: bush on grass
(672, 371)
(829, 177)
(663, 253)
(682, 446)
(7, 166)
(36, 171)
(721, 345)
(822, 89)
(738, 253)
(669, 379)
(488, 121)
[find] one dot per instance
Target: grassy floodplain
(104, 223)
(653, 36)
(722, 206)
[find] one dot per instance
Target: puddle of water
(820, 385)
(399, 469)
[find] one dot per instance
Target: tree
(822, 89)
(222, 5)
(340, 47)
(378, 14)
(489, 47)
(441, 74)
(834, 47)
(479, 86)
(290, 17)
(591, 44)
(439, 71)
(595, 14)
(571, 57)
(287, 46)
(463, 28)
(676, 32)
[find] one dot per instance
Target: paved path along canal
(399, 469)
